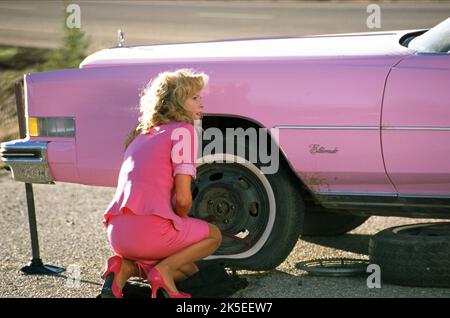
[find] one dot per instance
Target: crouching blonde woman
(147, 221)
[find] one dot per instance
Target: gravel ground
(70, 233)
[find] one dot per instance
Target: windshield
(435, 40)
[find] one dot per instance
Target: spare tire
(413, 255)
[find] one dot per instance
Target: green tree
(72, 49)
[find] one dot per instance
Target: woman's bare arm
(183, 201)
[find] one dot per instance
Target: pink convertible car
(360, 124)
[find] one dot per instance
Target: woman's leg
(173, 263)
(127, 270)
(177, 266)
(185, 272)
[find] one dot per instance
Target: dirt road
(71, 235)
(39, 23)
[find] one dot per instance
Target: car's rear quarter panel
(104, 105)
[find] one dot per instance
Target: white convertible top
(352, 44)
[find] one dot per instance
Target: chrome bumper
(27, 160)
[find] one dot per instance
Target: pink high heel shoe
(157, 283)
(110, 288)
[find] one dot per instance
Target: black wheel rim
(232, 197)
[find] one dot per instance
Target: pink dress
(141, 222)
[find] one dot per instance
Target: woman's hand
(183, 196)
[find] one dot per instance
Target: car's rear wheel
(325, 222)
(260, 215)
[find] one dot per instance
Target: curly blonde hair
(162, 100)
